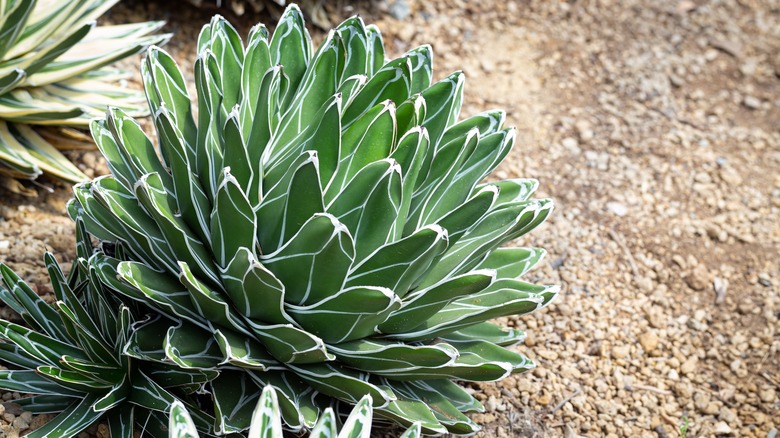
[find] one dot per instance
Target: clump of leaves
(53, 78)
(77, 357)
(319, 225)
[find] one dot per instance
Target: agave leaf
(15, 355)
(410, 412)
(242, 351)
(514, 190)
(36, 61)
(512, 262)
(257, 58)
(440, 182)
(385, 357)
(350, 87)
(298, 196)
(129, 150)
(82, 329)
(30, 382)
(358, 310)
(235, 154)
(486, 123)
(453, 392)
(516, 298)
(486, 331)
(14, 20)
(266, 419)
(233, 221)
(180, 425)
(146, 285)
(165, 87)
(77, 417)
(324, 245)
(45, 404)
(148, 394)
(235, 398)
(159, 205)
(172, 376)
(121, 421)
(209, 303)
(290, 344)
(291, 140)
(411, 114)
(223, 40)
(326, 426)
(254, 290)
(358, 423)
(489, 152)
(370, 139)
(391, 83)
(376, 48)
(147, 238)
(191, 348)
(208, 155)
(72, 380)
(446, 96)
(369, 204)
(24, 301)
(424, 303)
(103, 45)
(45, 156)
(22, 107)
(493, 229)
(400, 264)
(446, 412)
(114, 397)
(460, 219)
(342, 383)
(296, 400)
(318, 84)
(44, 348)
(291, 45)
(146, 340)
(193, 204)
(267, 112)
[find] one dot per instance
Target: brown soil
(654, 126)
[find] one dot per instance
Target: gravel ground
(654, 125)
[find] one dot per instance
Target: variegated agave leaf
(267, 421)
(53, 76)
(70, 357)
(319, 225)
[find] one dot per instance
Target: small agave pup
(71, 360)
(53, 78)
(318, 225)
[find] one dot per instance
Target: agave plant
(318, 225)
(266, 421)
(52, 80)
(76, 358)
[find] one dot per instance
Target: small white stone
(617, 208)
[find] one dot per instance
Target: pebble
(617, 208)
(649, 341)
(698, 279)
(620, 352)
(751, 102)
(399, 9)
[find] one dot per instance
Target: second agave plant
(319, 225)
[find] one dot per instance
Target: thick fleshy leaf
(266, 419)
(180, 424)
(325, 247)
(385, 357)
(400, 264)
(235, 398)
(350, 314)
